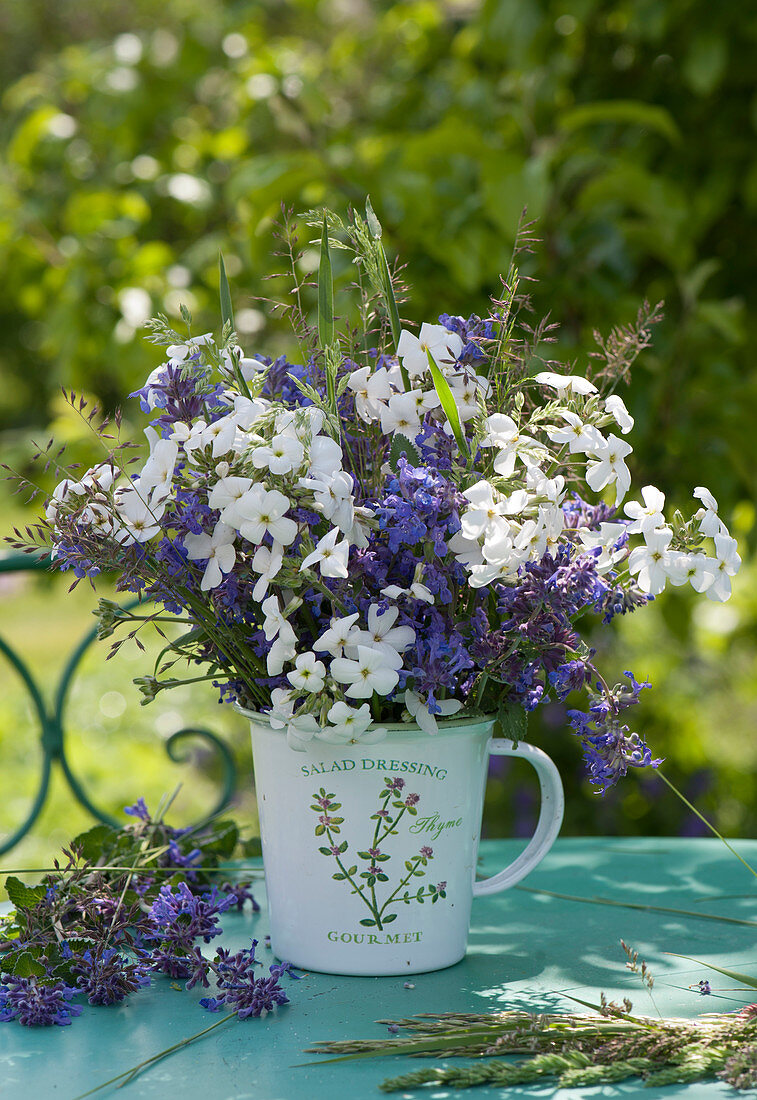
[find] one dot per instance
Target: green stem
(390, 827)
(709, 825)
(404, 882)
(356, 887)
(129, 1074)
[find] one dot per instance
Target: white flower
(467, 551)
(276, 622)
(330, 556)
(413, 350)
(423, 716)
(504, 433)
(710, 523)
(267, 562)
(565, 383)
(611, 467)
(248, 368)
(649, 516)
(303, 423)
(60, 495)
(332, 495)
(301, 731)
(465, 388)
(553, 489)
(652, 560)
(228, 490)
(401, 415)
(484, 574)
(370, 672)
(384, 636)
(416, 591)
(153, 381)
(325, 455)
(350, 725)
(370, 389)
(694, 569)
(247, 411)
(309, 674)
(139, 516)
(606, 540)
(221, 434)
(260, 511)
(580, 437)
(282, 708)
(486, 508)
(157, 472)
(425, 400)
(217, 549)
(282, 456)
(282, 651)
(100, 477)
(179, 353)
(725, 566)
(615, 406)
(337, 636)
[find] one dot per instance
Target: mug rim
(446, 725)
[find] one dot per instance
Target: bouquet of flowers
(399, 528)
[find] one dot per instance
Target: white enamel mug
(370, 850)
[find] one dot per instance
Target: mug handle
(550, 816)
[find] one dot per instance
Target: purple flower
(239, 893)
(427, 852)
(35, 1004)
(610, 748)
(704, 987)
(106, 978)
(374, 852)
(412, 799)
(139, 809)
(179, 916)
(395, 784)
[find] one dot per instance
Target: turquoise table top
(527, 949)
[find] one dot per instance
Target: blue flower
(105, 977)
(35, 1004)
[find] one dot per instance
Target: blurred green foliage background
(139, 138)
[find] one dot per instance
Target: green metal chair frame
(52, 725)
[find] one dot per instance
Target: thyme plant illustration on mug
(376, 872)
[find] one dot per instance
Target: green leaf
(364, 855)
(374, 225)
(325, 851)
(441, 385)
(320, 830)
(25, 966)
(368, 923)
(387, 288)
(339, 877)
(227, 313)
(630, 111)
(389, 919)
(401, 443)
(745, 979)
(22, 896)
(512, 722)
(325, 292)
(343, 847)
(353, 870)
(221, 841)
(95, 842)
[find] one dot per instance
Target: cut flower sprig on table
(398, 528)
